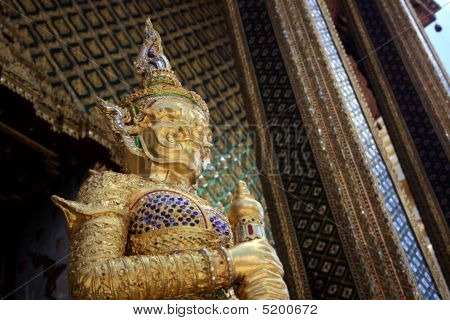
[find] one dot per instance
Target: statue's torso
(162, 219)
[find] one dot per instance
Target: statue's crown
(159, 83)
(158, 78)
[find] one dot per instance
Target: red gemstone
(250, 229)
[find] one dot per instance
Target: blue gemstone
(136, 217)
(180, 219)
(224, 227)
(211, 219)
(150, 215)
(169, 202)
(188, 219)
(180, 199)
(227, 232)
(140, 231)
(153, 207)
(178, 202)
(147, 205)
(163, 212)
(184, 223)
(183, 207)
(158, 196)
(155, 217)
(165, 221)
(218, 223)
(147, 229)
(167, 224)
(179, 210)
(192, 224)
(195, 213)
(171, 198)
(150, 198)
(160, 204)
(172, 219)
(175, 224)
(188, 211)
(197, 221)
(161, 218)
(155, 201)
(174, 206)
(158, 226)
(170, 210)
(135, 225)
(157, 210)
(163, 199)
(186, 202)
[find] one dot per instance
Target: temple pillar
(305, 83)
(411, 89)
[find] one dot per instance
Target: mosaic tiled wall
(326, 266)
(88, 48)
(385, 184)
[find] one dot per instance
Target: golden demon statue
(146, 234)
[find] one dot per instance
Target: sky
(441, 40)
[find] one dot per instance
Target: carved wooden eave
(27, 78)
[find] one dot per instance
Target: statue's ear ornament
(120, 120)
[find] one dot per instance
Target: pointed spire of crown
(151, 56)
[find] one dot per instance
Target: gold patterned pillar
(363, 198)
(407, 88)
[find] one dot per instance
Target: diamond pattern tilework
(87, 49)
(326, 266)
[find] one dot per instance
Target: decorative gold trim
(427, 203)
(279, 213)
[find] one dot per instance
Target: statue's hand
(263, 285)
(251, 256)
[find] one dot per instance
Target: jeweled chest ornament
(162, 209)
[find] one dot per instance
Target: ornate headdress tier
(159, 83)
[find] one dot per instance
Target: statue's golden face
(177, 134)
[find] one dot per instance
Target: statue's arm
(98, 268)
